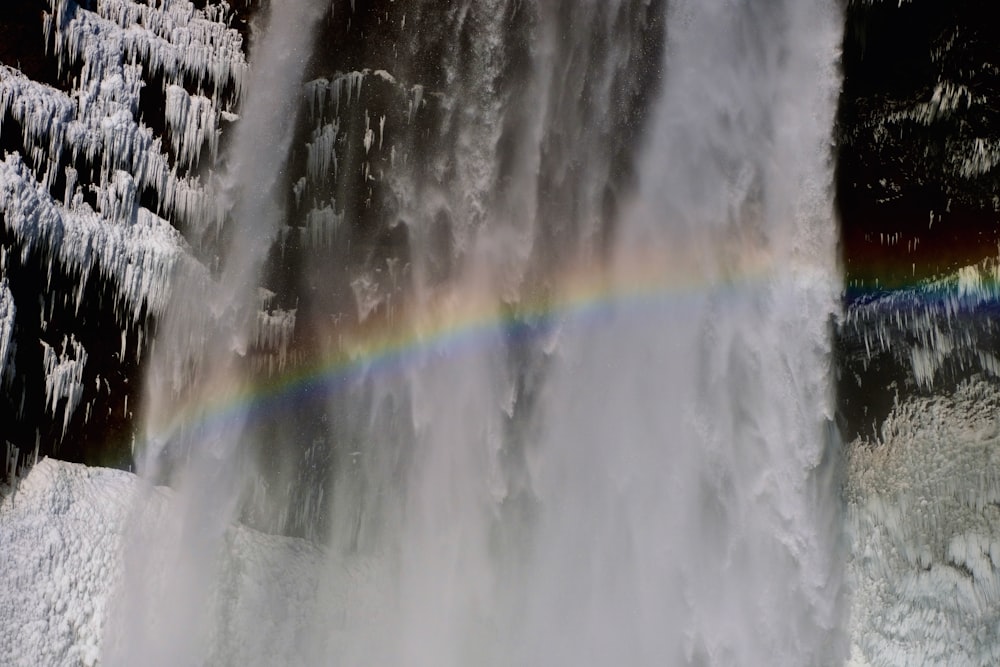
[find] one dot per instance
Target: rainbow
(461, 320)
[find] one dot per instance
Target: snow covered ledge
(63, 533)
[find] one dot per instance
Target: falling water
(202, 336)
(607, 441)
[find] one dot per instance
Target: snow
(137, 257)
(923, 509)
(64, 535)
(61, 532)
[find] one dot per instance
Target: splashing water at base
(639, 475)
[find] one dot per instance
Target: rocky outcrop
(917, 191)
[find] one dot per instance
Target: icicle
(138, 258)
(192, 122)
(64, 378)
(7, 343)
(321, 154)
(299, 189)
(321, 227)
(369, 133)
(273, 334)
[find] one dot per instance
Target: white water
(203, 333)
(665, 496)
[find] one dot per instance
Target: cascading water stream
(627, 460)
(200, 343)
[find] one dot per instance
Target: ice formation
(98, 126)
(120, 47)
(7, 313)
(174, 40)
(64, 533)
(924, 521)
(137, 257)
(89, 192)
(933, 324)
(192, 122)
(272, 332)
(64, 378)
(331, 102)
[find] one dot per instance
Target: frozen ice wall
(922, 513)
(93, 192)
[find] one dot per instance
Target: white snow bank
(924, 517)
(63, 535)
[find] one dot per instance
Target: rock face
(919, 140)
(917, 190)
(101, 128)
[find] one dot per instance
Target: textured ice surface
(924, 518)
(136, 257)
(173, 38)
(118, 48)
(64, 378)
(63, 535)
(7, 312)
(97, 124)
(928, 327)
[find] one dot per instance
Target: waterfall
(577, 408)
(203, 334)
(686, 488)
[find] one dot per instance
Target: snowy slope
(63, 538)
(61, 535)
